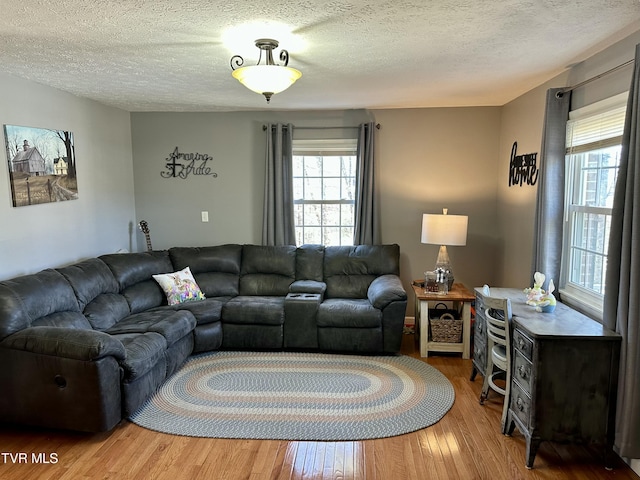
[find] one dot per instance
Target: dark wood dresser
(564, 374)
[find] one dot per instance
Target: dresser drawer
(480, 327)
(520, 404)
(522, 371)
(523, 344)
(480, 355)
(479, 304)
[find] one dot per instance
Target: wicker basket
(446, 330)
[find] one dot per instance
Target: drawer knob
(520, 342)
(523, 372)
(520, 404)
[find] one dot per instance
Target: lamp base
(444, 264)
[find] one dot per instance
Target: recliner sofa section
(83, 346)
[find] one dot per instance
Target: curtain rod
(589, 80)
(264, 127)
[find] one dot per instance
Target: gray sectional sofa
(83, 346)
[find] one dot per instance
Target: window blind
(595, 130)
(320, 147)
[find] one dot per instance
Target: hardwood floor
(465, 444)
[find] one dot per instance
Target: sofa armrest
(308, 286)
(76, 344)
(386, 289)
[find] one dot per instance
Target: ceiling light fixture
(268, 78)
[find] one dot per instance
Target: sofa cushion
(79, 344)
(267, 270)
(219, 258)
(215, 269)
(97, 292)
(134, 271)
(89, 279)
(216, 284)
(348, 313)
(132, 268)
(143, 352)
(12, 311)
(254, 310)
(386, 289)
(309, 260)
(172, 325)
(205, 311)
(349, 270)
(179, 287)
(65, 319)
(308, 286)
(43, 298)
(144, 296)
(106, 310)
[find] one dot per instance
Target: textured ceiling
(173, 55)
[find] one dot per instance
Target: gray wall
(236, 143)
(522, 121)
(100, 220)
(427, 159)
(435, 158)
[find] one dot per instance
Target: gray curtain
(547, 241)
(622, 290)
(277, 222)
(367, 222)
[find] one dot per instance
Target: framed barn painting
(42, 165)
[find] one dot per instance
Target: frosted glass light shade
(444, 229)
(266, 78)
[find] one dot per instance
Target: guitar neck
(144, 226)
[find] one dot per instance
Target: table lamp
(444, 230)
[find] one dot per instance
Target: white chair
(498, 316)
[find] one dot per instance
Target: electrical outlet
(205, 216)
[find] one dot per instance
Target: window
(324, 187)
(594, 135)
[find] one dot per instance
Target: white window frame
(608, 135)
(324, 147)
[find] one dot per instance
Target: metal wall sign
(181, 165)
(523, 169)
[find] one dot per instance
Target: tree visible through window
(593, 159)
(324, 187)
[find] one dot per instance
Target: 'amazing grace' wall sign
(181, 165)
(522, 168)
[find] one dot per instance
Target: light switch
(205, 216)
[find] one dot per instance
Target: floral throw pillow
(179, 286)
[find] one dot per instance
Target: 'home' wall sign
(522, 168)
(181, 165)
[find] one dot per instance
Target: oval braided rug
(297, 396)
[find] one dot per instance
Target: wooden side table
(457, 295)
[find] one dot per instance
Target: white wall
(99, 221)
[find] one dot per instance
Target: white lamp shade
(266, 78)
(444, 229)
